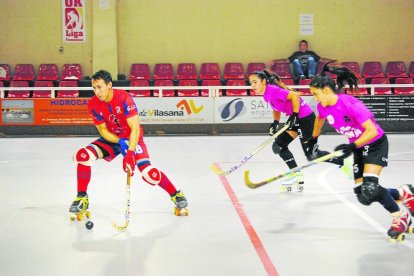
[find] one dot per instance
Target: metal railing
(213, 91)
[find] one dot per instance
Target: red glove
(129, 162)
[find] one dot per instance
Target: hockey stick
(250, 155)
(128, 205)
(254, 185)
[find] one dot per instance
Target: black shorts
(375, 153)
(304, 132)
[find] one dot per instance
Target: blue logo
(232, 109)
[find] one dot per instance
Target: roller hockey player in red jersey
(116, 117)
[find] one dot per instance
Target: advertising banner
(73, 21)
(175, 110)
(45, 112)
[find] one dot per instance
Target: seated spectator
(304, 61)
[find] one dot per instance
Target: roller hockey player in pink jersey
(283, 99)
(116, 117)
(367, 142)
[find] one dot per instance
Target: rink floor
(231, 229)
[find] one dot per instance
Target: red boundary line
(254, 238)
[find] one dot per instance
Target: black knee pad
(276, 147)
(361, 198)
(370, 188)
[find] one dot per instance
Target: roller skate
(180, 202)
(348, 167)
(292, 180)
(407, 197)
(79, 208)
(401, 224)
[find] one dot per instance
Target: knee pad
(85, 156)
(370, 188)
(361, 198)
(151, 175)
(276, 148)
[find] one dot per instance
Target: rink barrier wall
(213, 115)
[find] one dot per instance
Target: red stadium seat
(382, 90)
(140, 93)
(354, 67)
(404, 90)
(48, 72)
(71, 72)
(233, 70)
(5, 72)
(236, 92)
(24, 72)
(305, 91)
(42, 93)
(210, 71)
(282, 69)
(140, 71)
(165, 93)
(187, 92)
(204, 92)
(396, 69)
(68, 93)
(254, 66)
(411, 70)
(186, 71)
(19, 93)
(372, 69)
(163, 71)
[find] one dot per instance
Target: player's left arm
(106, 134)
(369, 133)
(134, 124)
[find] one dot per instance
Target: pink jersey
(114, 113)
(277, 98)
(347, 117)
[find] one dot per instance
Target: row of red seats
(46, 72)
(47, 76)
(165, 71)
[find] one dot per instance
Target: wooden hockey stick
(128, 205)
(250, 155)
(254, 185)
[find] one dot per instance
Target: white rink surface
(322, 231)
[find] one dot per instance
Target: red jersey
(114, 113)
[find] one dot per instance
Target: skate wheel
(181, 211)
(300, 188)
(72, 217)
(289, 189)
(410, 230)
(79, 216)
(399, 238)
(88, 214)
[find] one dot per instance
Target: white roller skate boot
(294, 180)
(407, 197)
(401, 223)
(79, 207)
(348, 167)
(181, 204)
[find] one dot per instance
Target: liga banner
(73, 20)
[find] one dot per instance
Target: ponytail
(344, 74)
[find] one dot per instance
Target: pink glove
(129, 162)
